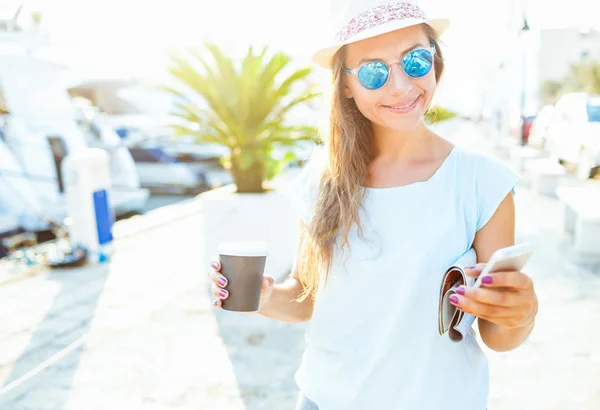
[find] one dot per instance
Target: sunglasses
(375, 74)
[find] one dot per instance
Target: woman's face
(400, 105)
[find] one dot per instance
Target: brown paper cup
(243, 264)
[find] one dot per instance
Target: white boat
(41, 128)
(136, 110)
(165, 163)
(9, 225)
(141, 116)
(19, 201)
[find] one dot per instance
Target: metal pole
(523, 87)
(524, 30)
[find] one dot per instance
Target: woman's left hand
(505, 298)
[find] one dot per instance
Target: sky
(118, 37)
(124, 28)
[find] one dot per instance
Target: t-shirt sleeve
(303, 190)
(494, 181)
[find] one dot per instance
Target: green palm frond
(438, 114)
(245, 104)
(583, 76)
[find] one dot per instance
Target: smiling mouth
(403, 106)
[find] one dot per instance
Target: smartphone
(512, 258)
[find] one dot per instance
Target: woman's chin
(405, 125)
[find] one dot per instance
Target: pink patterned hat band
(379, 15)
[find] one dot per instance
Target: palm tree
(243, 107)
(583, 76)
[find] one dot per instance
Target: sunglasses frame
(432, 50)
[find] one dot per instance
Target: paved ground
(159, 200)
(140, 332)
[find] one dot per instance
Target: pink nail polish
(222, 281)
(460, 291)
(453, 299)
(214, 265)
(487, 280)
(223, 293)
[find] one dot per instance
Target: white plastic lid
(243, 249)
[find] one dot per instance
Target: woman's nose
(399, 83)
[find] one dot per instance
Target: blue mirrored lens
(417, 63)
(373, 75)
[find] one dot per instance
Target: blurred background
(135, 136)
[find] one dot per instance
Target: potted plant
(36, 17)
(244, 107)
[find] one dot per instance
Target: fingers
(215, 275)
(482, 309)
(219, 292)
(506, 307)
(219, 282)
(267, 282)
(515, 280)
(474, 271)
(217, 278)
(507, 279)
(216, 263)
(495, 297)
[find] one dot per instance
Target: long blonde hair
(350, 151)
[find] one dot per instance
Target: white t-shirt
(373, 340)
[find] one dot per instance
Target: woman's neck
(396, 145)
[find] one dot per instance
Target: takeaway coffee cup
(243, 264)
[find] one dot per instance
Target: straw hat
(369, 18)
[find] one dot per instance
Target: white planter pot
(268, 217)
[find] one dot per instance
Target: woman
(386, 207)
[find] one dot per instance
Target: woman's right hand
(219, 285)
